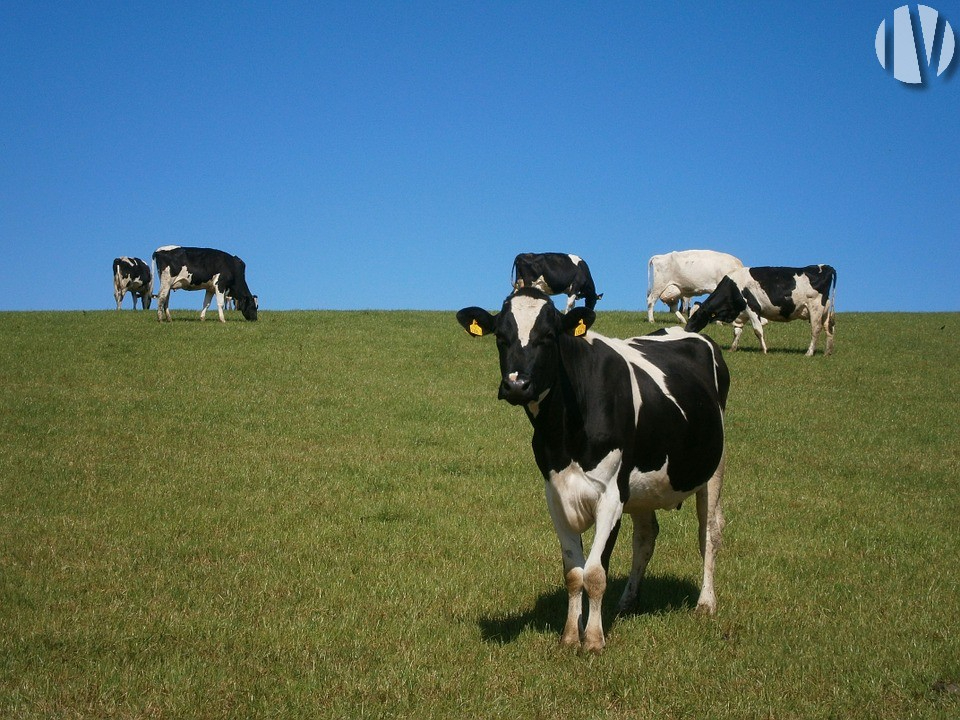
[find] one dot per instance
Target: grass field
(328, 515)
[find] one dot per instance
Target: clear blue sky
(399, 154)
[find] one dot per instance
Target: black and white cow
(619, 426)
(777, 294)
(191, 268)
(132, 275)
(556, 274)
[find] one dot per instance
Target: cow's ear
(578, 321)
(476, 321)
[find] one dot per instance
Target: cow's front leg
(571, 546)
(571, 301)
(737, 332)
(756, 322)
(207, 297)
(609, 512)
(221, 302)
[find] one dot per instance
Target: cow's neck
(559, 433)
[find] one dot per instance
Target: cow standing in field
(214, 271)
(132, 275)
(777, 294)
(556, 274)
(678, 276)
(619, 426)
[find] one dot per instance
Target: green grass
(328, 514)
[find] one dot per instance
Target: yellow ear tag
(580, 329)
(475, 329)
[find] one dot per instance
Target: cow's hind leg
(711, 522)
(163, 303)
(817, 316)
(829, 323)
(645, 531)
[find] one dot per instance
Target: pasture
(329, 514)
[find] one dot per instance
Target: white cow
(679, 276)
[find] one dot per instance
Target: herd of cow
(221, 275)
(633, 425)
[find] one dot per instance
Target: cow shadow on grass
(755, 350)
(663, 594)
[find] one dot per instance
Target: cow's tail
(832, 300)
(153, 273)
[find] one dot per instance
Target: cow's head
(247, 304)
(529, 330)
(725, 304)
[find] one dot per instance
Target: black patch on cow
(778, 284)
(688, 439)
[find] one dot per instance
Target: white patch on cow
(525, 312)
(575, 259)
(635, 359)
(167, 247)
(541, 284)
(573, 493)
(534, 406)
(651, 490)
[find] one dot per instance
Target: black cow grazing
(619, 426)
(556, 274)
(777, 294)
(132, 275)
(215, 271)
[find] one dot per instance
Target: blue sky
(400, 154)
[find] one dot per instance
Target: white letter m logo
(906, 63)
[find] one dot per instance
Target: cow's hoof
(706, 609)
(594, 647)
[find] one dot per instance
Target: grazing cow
(777, 294)
(679, 276)
(132, 275)
(556, 274)
(215, 271)
(619, 426)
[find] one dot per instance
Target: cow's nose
(515, 389)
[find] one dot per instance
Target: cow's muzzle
(516, 389)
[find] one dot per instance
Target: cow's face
(725, 304)
(247, 305)
(528, 331)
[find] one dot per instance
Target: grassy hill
(328, 514)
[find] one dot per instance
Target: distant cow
(679, 276)
(132, 275)
(619, 426)
(215, 271)
(230, 304)
(556, 274)
(772, 293)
